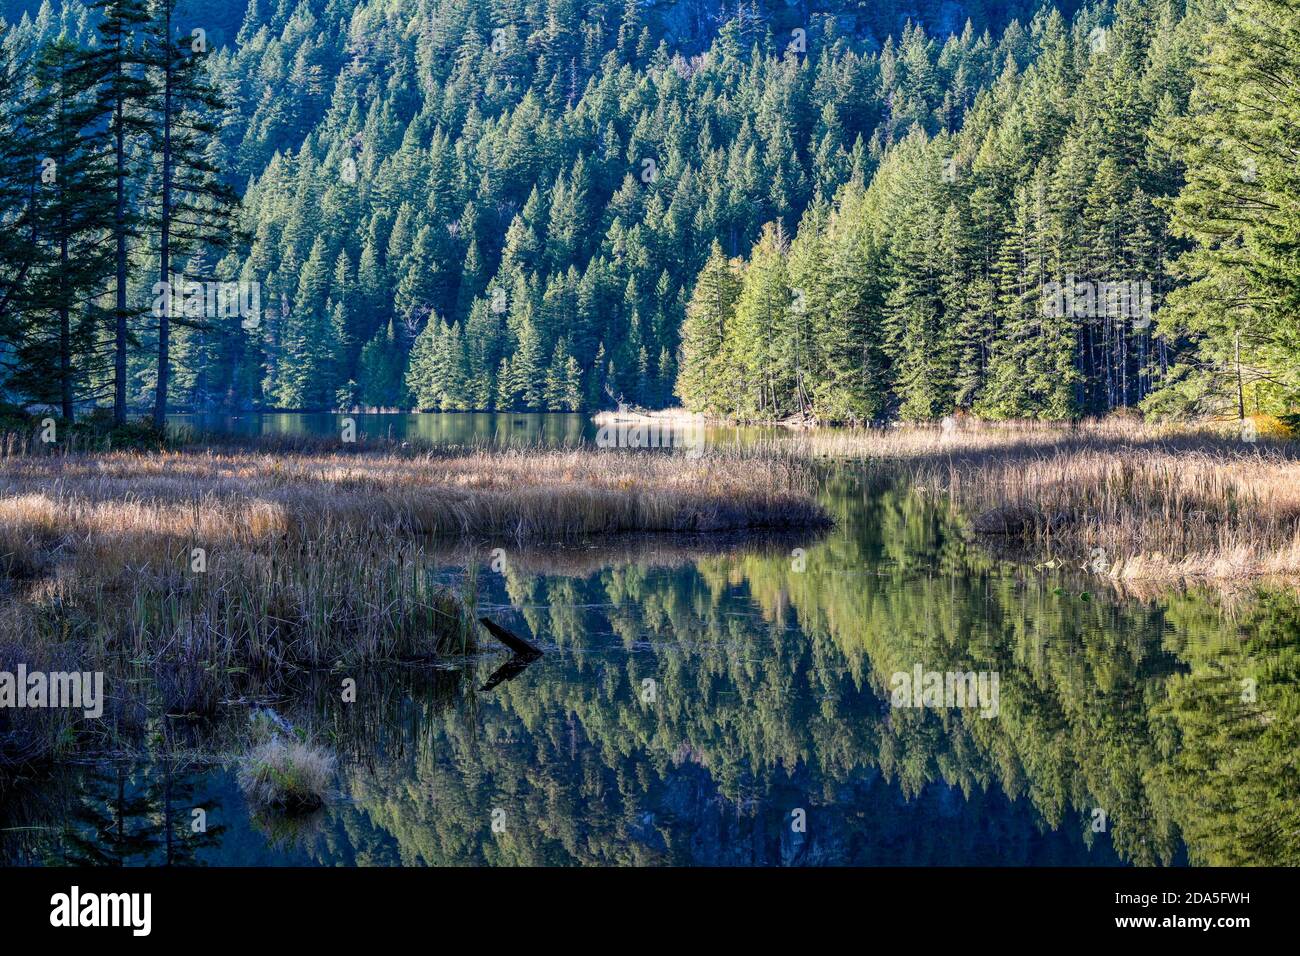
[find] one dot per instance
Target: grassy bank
(1123, 499)
(223, 494)
(218, 570)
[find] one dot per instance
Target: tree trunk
(119, 228)
(164, 243)
(65, 342)
(1241, 397)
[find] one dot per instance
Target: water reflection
(502, 429)
(701, 698)
(452, 428)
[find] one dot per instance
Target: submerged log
(522, 647)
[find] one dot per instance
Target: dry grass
(1125, 500)
(250, 624)
(315, 557)
(221, 497)
(286, 774)
(312, 556)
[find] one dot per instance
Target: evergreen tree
(117, 72)
(194, 206)
(1241, 208)
(71, 205)
(383, 370)
(704, 383)
(563, 381)
(423, 375)
(755, 343)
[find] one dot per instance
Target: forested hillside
(921, 288)
(841, 209)
(1115, 226)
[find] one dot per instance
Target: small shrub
(1272, 426)
(98, 430)
(288, 775)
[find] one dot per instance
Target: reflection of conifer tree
(113, 821)
(172, 794)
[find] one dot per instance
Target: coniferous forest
(881, 448)
(846, 211)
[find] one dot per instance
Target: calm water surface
(727, 701)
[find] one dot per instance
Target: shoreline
(1130, 503)
(226, 570)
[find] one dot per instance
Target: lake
(735, 701)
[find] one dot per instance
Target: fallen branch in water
(521, 646)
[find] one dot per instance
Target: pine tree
(527, 371)
(118, 75)
(703, 383)
(383, 370)
(508, 393)
(845, 299)
(482, 352)
(72, 209)
(194, 206)
(916, 322)
(1241, 208)
(20, 171)
(423, 375)
(563, 381)
(309, 345)
(758, 349)
(453, 366)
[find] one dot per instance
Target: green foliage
(703, 384)
(1239, 142)
(516, 193)
(382, 370)
(1010, 264)
(563, 179)
(563, 381)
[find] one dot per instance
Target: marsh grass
(224, 494)
(257, 612)
(1124, 500)
(286, 774)
(316, 558)
(29, 734)
(219, 570)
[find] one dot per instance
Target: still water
(728, 702)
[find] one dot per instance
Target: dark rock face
(689, 26)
